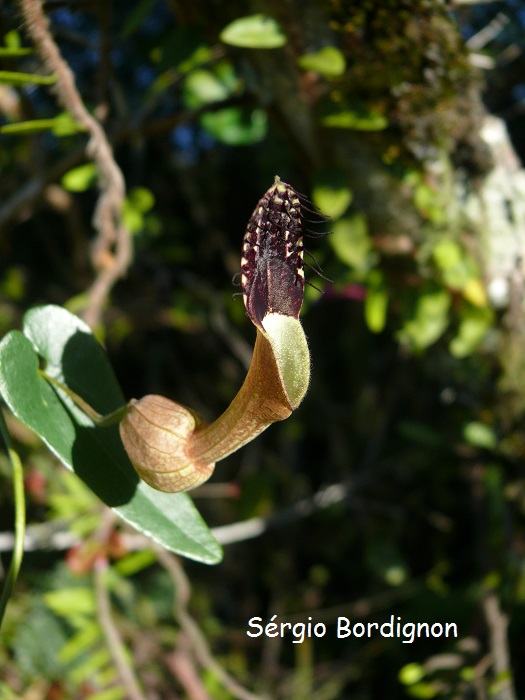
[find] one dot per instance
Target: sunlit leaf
(480, 435)
(428, 321)
(71, 601)
(7, 52)
(80, 179)
(376, 303)
(8, 77)
(61, 125)
(254, 32)
(455, 264)
(354, 115)
(474, 291)
(351, 242)
(474, 325)
(137, 203)
(236, 127)
(328, 61)
(333, 200)
(13, 40)
(204, 87)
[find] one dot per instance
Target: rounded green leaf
(236, 127)
(333, 200)
(80, 179)
(72, 355)
(474, 326)
(351, 242)
(411, 673)
(254, 32)
(428, 321)
(480, 435)
(329, 62)
(376, 305)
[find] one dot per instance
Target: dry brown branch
(25, 197)
(183, 666)
(112, 635)
(497, 624)
(112, 249)
(190, 628)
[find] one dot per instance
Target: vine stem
(20, 519)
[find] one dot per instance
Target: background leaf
(8, 77)
(254, 32)
(329, 61)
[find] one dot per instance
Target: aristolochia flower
(169, 445)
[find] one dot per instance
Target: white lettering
(271, 629)
(254, 623)
(439, 630)
(343, 628)
(322, 631)
(448, 626)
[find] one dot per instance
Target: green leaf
(332, 199)
(137, 203)
(428, 321)
(457, 267)
(71, 601)
(12, 39)
(236, 127)
(376, 303)
(480, 435)
(354, 115)
(351, 242)
(474, 326)
(73, 357)
(411, 673)
(61, 125)
(80, 179)
(254, 32)
(205, 87)
(8, 77)
(329, 62)
(7, 52)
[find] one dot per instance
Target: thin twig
(184, 667)
(189, 626)
(20, 519)
(54, 536)
(255, 527)
(26, 196)
(111, 234)
(499, 647)
(112, 635)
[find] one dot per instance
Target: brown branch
(192, 631)
(112, 635)
(184, 668)
(27, 195)
(111, 234)
(497, 624)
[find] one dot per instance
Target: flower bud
(156, 432)
(272, 266)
